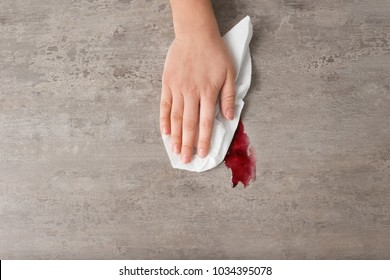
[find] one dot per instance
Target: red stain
(240, 158)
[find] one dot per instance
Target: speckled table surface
(84, 173)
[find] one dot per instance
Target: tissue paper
(237, 41)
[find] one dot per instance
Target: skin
(198, 68)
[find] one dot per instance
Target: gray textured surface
(84, 173)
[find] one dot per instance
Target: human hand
(197, 69)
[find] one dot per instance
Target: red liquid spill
(240, 159)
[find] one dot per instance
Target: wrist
(194, 18)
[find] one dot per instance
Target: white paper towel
(237, 40)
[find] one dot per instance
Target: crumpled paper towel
(237, 40)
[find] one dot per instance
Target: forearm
(193, 17)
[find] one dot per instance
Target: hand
(197, 69)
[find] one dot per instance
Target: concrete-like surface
(84, 173)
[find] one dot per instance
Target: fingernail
(176, 149)
(230, 113)
(165, 130)
(202, 152)
(185, 159)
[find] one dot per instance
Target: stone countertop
(83, 170)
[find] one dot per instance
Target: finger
(228, 96)
(190, 125)
(165, 110)
(206, 123)
(176, 122)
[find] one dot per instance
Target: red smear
(240, 159)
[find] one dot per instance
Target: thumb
(227, 97)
